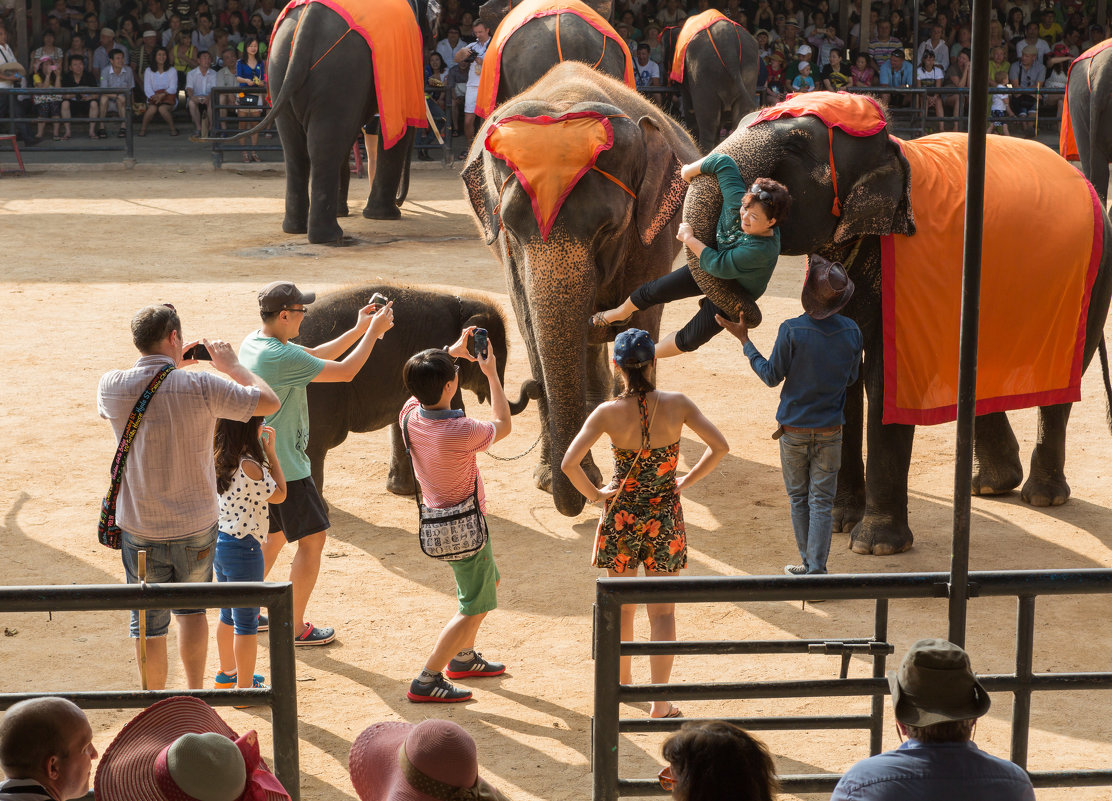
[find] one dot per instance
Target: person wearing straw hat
(937, 700)
(179, 749)
(434, 760)
(46, 751)
(817, 355)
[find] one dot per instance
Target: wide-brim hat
(936, 684)
(435, 760)
(827, 288)
(139, 764)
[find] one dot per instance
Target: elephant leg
(400, 478)
(996, 465)
(381, 204)
(296, 154)
(1099, 174)
(708, 116)
(542, 473)
(323, 228)
(1046, 483)
(849, 502)
(342, 194)
(883, 529)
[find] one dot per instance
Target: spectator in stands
(1027, 73)
(656, 49)
(102, 55)
(671, 14)
(91, 32)
(183, 55)
(9, 103)
(198, 86)
(117, 76)
(144, 56)
(1050, 30)
(1000, 107)
(47, 107)
(825, 41)
(250, 73)
(473, 55)
(436, 72)
(219, 45)
(763, 16)
(203, 37)
(646, 70)
(803, 56)
(777, 85)
(962, 41)
(46, 751)
(634, 31)
(450, 45)
(763, 49)
(861, 74)
(792, 14)
(48, 49)
(1042, 49)
(717, 760)
(160, 87)
(790, 39)
(896, 73)
(269, 14)
(1096, 36)
(417, 762)
(883, 44)
(257, 28)
(803, 82)
(155, 18)
(235, 29)
(1014, 28)
(1072, 41)
(1057, 67)
(79, 105)
(957, 76)
(225, 79)
(466, 24)
(230, 7)
(937, 45)
(834, 77)
(127, 38)
(930, 76)
(998, 67)
(77, 49)
(167, 503)
(937, 700)
(626, 36)
(170, 34)
(899, 26)
(443, 443)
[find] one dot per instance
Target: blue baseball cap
(634, 348)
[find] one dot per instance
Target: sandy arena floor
(81, 254)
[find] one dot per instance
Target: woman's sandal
(246, 157)
(598, 320)
(673, 712)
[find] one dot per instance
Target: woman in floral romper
(643, 520)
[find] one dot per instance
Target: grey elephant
(1087, 121)
(423, 318)
(614, 229)
(719, 73)
(321, 76)
(865, 206)
(535, 35)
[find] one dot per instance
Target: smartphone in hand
(198, 352)
(378, 299)
(479, 342)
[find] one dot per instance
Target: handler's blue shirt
(818, 359)
(931, 771)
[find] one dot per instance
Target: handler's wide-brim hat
(827, 288)
(936, 684)
(142, 763)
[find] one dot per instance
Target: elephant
(720, 70)
(615, 231)
(1087, 92)
(545, 41)
(423, 318)
(323, 84)
(872, 179)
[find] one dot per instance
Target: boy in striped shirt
(443, 443)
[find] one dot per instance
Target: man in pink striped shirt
(443, 443)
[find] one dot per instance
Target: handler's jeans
(810, 463)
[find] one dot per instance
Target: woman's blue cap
(634, 348)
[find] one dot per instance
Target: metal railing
(612, 593)
(76, 143)
(225, 122)
(276, 597)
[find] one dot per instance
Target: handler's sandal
(315, 635)
(795, 570)
(264, 623)
(439, 690)
(227, 681)
(476, 667)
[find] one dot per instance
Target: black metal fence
(611, 594)
(77, 142)
(276, 597)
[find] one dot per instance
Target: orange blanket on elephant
(692, 26)
(549, 155)
(1067, 147)
(1042, 245)
(533, 9)
(391, 31)
(856, 114)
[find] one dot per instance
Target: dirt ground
(83, 252)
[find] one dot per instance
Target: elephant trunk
(530, 390)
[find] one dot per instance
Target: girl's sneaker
(439, 691)
(256, 684)
(477, 667)
(227, 681)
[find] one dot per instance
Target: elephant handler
(748, 247)
(289, 368)
(817, 355)
(443, 442)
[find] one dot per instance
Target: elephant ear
(661, 191)
(879, 203)
(475, 185)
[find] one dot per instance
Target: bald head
(34, 731)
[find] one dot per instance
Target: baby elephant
(423, 318)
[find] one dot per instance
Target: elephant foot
(342, 210)
(326, 234)
(848, 511)
(542, 477)
(880, 535)
(1046, 490)
(388, 211)
(292, 226)
(996, 478)
(401, 484)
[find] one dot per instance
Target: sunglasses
(762, 195)
(666, 779)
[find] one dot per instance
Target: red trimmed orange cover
(857, 115)
(692, 26)
(548, 162)
(391, 31)
(1067, 147)
(518, 16)
(1035, 289)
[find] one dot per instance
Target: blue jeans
(239, 560)
(810, 465)
(168, 562)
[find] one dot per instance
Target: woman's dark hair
(442, 64)
(232, 442)
(166, 65)
(773, 197)
(717, 760)
(923, 61)
(637, 380)
(247, 40)
(427, 373)
(237, 18)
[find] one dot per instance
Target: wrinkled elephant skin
(1090, 91)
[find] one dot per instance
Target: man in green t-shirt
(289, 368)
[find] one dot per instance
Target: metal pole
(970, 319)
(284, 674)
(604, 724)
(1021, 706)
(880, 634)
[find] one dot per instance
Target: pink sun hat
(434, 760)
(180, 750)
